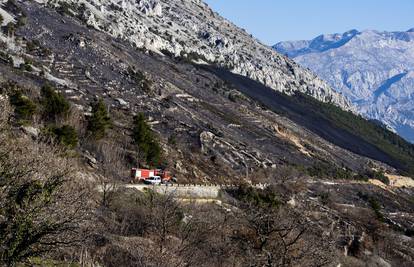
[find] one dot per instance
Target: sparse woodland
(47, 212)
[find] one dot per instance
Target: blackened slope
(342, 128)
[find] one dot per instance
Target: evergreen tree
(55, 105)
(146, 142)
(154, 153)
(23, 106)
(100, 121)
(65, 135)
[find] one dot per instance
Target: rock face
(375, 70)
(190, 29)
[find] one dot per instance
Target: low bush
(325, 198)
(65, 135)
(376, 207)
(6, 58)
(26, 66)
(373, 174)
(326, 170)
(258, 197)
(24, 108)
(10, 28)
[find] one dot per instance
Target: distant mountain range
(374, 69)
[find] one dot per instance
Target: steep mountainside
(191, 29)
(196, 106)
(375, 70)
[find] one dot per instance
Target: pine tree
(54, 104)
(65, 135)
(154, 153)
(100, 121)
(24, 107)
(146, 142)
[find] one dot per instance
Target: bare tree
(273, 234)
(42, 207)
(111, 159)
(111, 156)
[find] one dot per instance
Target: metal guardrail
(260, 185)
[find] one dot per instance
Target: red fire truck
(140, 175)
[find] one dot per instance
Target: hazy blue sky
(281, 20)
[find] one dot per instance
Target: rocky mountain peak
(372, 68)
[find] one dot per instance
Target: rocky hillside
(192, 30)
(225, 119)
(373, 69)
(337, 179)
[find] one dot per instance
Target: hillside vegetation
(400, 150)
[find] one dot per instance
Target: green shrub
(65, 9)
(65, 135)
(32, 45)
(10, 28)
(376, 207)
(145, 140)
(100, 121)
(26, 66)
(326, 170)
(172, 140)
(232, 97)
(373, 174)
(6, 58)
(258, 197)
(325, 198)
(154, 153)
(409, 232)
(24, 108)
(54, 104)
(21, 21)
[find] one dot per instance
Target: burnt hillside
(71, 92)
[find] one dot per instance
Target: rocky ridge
(190, 29)
(375, 70)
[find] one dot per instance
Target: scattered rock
(91, 161)
(122, 102)
(29, 130)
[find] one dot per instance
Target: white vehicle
(153, 180)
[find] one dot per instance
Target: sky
(272, 21)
